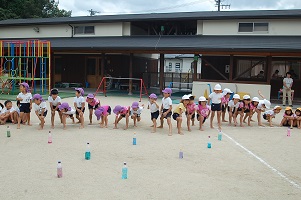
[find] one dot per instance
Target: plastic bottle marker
(49, 137)
(8, 132)
(181, 155)
(134, 139)
(124, 171)
(88, 152)
(209, 143)
(59, 169)
(288, 132)
(220, 135)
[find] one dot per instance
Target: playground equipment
(25, 61)
(104, 84)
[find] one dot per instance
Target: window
(169, 67)
(253, 27)
(178, 68)
(78, 30)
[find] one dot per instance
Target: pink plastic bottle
(288, 132)
(59, 169)
(49, 137)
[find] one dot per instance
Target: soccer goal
(132, 83)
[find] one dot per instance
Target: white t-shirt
(288, 82)
(54, 101)
(25, 97)
(152, 107)
(216, 98)
(270, 112)
(166, 102)
(79, 101)
(40, 107)
(232, 105)
(259, 106)
(138, 111)
(70, 112)
(4, 110)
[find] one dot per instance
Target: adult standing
(287, 89)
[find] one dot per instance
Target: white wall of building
(202, 88)
(185, 65)
(46, 31)
(230, 27)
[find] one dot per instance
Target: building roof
(180, 44)
(204, 15)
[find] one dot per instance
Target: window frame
(253, 27)
(84, 30)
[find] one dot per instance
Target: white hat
(277, 107)
(217, 87)
(227, 90)
(202, 98)
(246, 97)
(256, 99)
(236, 96)
(185, 97)
(267, 103)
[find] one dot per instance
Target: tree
(16, 9)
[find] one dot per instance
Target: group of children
(219, 102)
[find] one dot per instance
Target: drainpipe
(72, 30)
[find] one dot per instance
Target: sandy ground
(227, 171)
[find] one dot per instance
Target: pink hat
(37, 96)
(98, 112)
(64, 106)
(153, 96)
(167, 90)
(81, 91)
(90, 96)
(135, 105)
(24, 84)
(117, 109)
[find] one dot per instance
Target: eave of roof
(182, 44)
(204, 15)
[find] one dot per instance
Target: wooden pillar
(161, 76)
(195, 67)
(131, 74)
(231, 70)
(269, 69)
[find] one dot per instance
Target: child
(244, 109)
(135, 112)
(203, 111)
(67, 112)
(216, 98)
(177, 113)
(8, 113)
(25, 98)
(253, 106)
(270, 114)
(262, 105)
(225, 100)
(54, 101)
(79, 104)
(297, 120)
(288, 118)
(165, 109)
(190, 111)
(121, 112)
(233, 106)
(93, 103)
(40, 109)
(154, 109)
(102, 113)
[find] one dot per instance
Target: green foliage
(16, 9)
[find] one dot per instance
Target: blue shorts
(216, 107)
(155, 115)
(25, 107)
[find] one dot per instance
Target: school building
(239, 47)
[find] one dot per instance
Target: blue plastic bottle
(220, 135)
(181, 154)
(134, 139)
(124, 171)
(88, 152)
(209, 143)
